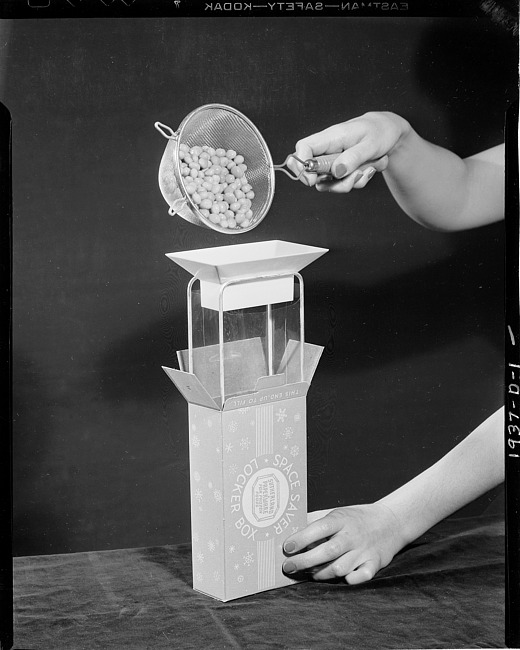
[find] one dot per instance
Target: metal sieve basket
(217, 126)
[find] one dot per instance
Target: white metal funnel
(260, 273)
(221, 264)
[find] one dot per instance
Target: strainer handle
(166, 131)
(320, 165)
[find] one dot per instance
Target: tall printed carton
(245, 376)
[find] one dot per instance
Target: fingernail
(369, 173)
(289, 567)
(341, 170)
(290, 547)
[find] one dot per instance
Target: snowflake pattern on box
(272, 477)
(254, 497)
(249, 559)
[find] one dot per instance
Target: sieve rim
(180, 179)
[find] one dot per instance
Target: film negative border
(512, 383)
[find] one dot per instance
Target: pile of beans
(216, 181)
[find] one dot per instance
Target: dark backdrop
(411, 320)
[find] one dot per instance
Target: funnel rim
(223, 263)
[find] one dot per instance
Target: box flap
(191, 388)
(270, 381)
(244, 363)
(267, 396)
(290, 363)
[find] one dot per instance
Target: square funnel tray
(221, 264)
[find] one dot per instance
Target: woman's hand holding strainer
(364, 144)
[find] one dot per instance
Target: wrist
(404, 132)
(407, 521)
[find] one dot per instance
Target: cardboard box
(247, 441)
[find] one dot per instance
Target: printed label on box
(255, 467)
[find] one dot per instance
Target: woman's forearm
(433, 186)
(470, 469)
(442, 191)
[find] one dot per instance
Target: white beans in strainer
(216, 181)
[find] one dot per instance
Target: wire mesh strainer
(221, 126)
(216, 125)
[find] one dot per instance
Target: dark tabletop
(444, 591)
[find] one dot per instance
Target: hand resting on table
(353, 542)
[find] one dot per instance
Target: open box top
(242, 389)
(250, 275)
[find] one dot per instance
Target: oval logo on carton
(265, 497)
